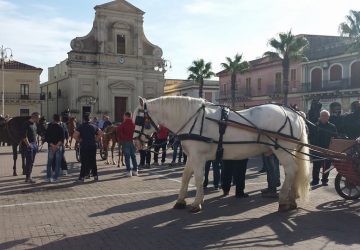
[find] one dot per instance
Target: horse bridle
(140, 121)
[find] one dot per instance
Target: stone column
(102, 86)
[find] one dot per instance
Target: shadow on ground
(214, 227)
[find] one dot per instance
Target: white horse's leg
(199, 173)
(287, 197)
(181, 203)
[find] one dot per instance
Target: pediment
(121, 85)
(120, 6)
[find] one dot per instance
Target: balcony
(273, 89)
(244, 92)
(346, 83)
(17, 96)
(240, 94)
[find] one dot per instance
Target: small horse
(187, 117)
(110, 136)
(71, 126)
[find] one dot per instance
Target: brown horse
(71, 125)
(11, 132)
(110, 135)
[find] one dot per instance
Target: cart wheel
(346, 189)
(103, 154)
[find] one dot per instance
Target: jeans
(30, 154)
(271, 164)
(216, 173)
(160, 144)
(129, 153)
(58, 154)
(176, 145)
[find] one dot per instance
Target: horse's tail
(301, 183)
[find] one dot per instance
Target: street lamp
(163, 65)
(4, 57)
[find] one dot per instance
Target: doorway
(85, 109)
(120, 108)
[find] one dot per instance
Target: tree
(199, 70)
(351, 28)
(234, 67)
(287, 48)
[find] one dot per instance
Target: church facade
(107, 69)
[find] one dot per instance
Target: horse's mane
(180, 104)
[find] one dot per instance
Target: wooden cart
(347, 181)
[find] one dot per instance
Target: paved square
(136, 213)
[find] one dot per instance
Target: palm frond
(272, 55)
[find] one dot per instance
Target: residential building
(178, 87)
(262, 83)
(107, 69)
(21, 89)
(331, 75)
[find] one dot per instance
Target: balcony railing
(21, 96)
(239, 94)
(326, 85)
(273, 89)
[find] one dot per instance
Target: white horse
(179, 114)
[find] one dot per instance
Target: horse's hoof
(286, 207)
(293, 206)
(14, 174)
(195, 209)
(180, 205)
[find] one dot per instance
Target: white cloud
(7, 6)
(41, 40)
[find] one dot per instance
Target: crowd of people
(225, 173)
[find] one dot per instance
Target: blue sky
(40, 31)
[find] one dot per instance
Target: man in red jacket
(160, 142)
(125, 135)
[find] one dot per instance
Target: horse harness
(223, 123)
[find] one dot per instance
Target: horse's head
(144, 124)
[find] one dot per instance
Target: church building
(107, 69)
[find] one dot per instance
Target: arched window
(120, 44)
(335, 73)
(316, 79)
(355, 74)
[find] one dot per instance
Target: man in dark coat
(86, 134)
(351, 123)
(234, 170)
(323, 133)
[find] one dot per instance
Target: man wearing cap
(29, 140)
(86, 134)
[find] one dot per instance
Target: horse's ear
(141, 101)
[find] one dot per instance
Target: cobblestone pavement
(136, 213)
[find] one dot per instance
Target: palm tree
(351, 28)
(199, 70)
(287, 48)
(234, 67)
